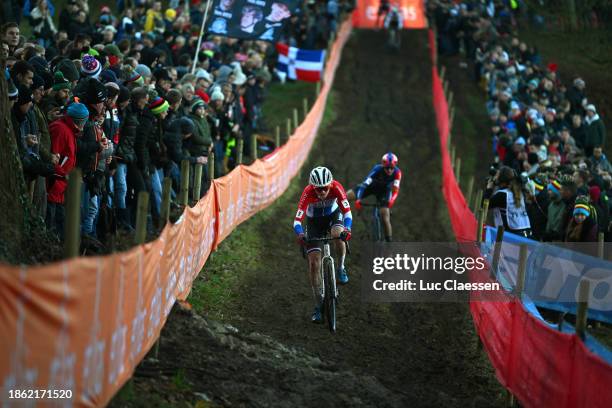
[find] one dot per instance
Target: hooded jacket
(63, 142)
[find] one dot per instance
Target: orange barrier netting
(84, 324)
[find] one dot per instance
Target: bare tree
(14, 203)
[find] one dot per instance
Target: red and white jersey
(311, 206)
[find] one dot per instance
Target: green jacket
(555, 221)
(44, 144)
(201, 140)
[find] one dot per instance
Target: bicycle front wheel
(376, 226)
(330, 294)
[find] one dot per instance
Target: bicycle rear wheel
(330, 294)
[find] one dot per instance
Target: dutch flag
(303, 65)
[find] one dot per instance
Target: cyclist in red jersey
(324, 205)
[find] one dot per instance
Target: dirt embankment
(404, 354)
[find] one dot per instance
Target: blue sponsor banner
(554, 273)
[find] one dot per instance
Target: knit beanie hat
(186, 125)
(555, 187)
(90, 66)
(94, 92)
(159, 105)
(217, 95)
(79, 113)
(37, 82)
(25, 95)
(173, 96)
(539, 182)
(203, 95)
(135, 78)
(112, 49)
(143, 70)
(124, 94)
(59, 82)
(13, 92)
(582, 206)
(67, 68)
(108, 75)
(197, 102)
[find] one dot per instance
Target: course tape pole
(539, 365)
(84, 324)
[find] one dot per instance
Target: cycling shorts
(319, 227)
(381, 192)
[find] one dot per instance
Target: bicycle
(376, 227)
(328, 281)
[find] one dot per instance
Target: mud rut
(383, 354)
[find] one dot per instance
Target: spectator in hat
(595, 130)
(181, 130)
(158, 151)
(52, 104)
(90, 66)
(64, 133)
(555, 219)
(576, 96)
(583, 225)
(200, 144)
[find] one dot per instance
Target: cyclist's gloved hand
(301, 238)
(345, 235)
(358, 205)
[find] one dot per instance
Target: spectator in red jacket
(63, 132)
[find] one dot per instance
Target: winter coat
(199, 143)
(63, 142)
(585, 232)
(173, 140)
(146, 124)
(127, 136)
(556, 220)
(595, 132)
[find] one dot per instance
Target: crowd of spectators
(547, 137)
(120, 96)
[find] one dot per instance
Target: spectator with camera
(507, 200)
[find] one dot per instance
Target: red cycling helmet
(389, 160)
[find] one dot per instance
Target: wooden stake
(582, 308)
(470, 190)
(497, 252)
(453, 152)
(450, 99)
(296, 121)
(184, 194)
(442, 73)
(522, 271)
(318, 88)
(483, 219)
(164, 215)
(72, 224)
(445, 89)
(197, 181)
(600, 245)
(458, 169)
(254, 147)
(211, 166)
(305, 107)
(240, 150)
(477, 202)
(277, 137)
(288, 128)
(451, 120)
(141, 218)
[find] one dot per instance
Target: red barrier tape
(540, 366)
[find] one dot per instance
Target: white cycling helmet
(321, 177)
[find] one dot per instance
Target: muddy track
(405, 354)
